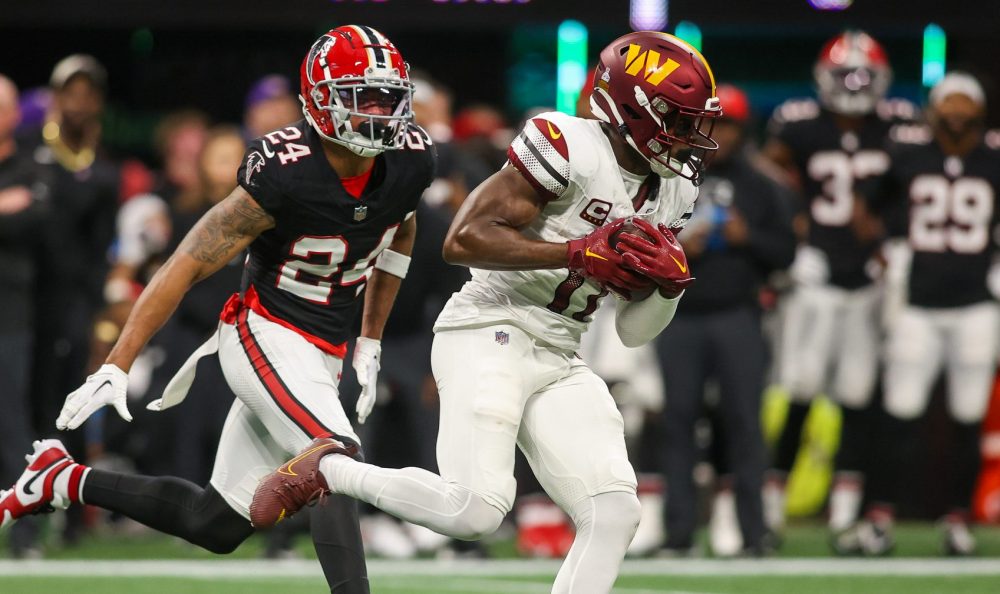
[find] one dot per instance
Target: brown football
(646, 291)
(628, 227)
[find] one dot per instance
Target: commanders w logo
(647, 64)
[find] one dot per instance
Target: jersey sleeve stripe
(561, 174)
(526, 174)
(552, 154)
(540, 173)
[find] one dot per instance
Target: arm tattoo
(228, 223)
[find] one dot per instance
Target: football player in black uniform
(829, 341)
(325, 207)
(939, 194)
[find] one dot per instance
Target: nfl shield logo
(360, 212)
(502, 337)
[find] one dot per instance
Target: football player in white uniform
(540, 237)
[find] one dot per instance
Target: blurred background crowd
(763, 399)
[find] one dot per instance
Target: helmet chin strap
(657, 167)
(361, 151)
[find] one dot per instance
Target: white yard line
(508, 586)
(221, 569)
(468, 585)
(819, 566)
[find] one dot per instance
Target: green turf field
(154, 564)
(770, 577)
(802, 539)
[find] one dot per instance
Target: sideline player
(940, 194)
(536, 235)
(830, 335)
(320, 203)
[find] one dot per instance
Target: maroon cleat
(295, 484)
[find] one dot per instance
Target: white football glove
(367, 352)
(108, 385)
(810, 267)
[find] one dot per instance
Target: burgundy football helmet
(852, 74)
(659, 92)
(354, 71)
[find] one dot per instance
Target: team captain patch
(541, 154)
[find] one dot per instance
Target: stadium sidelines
(241, 569)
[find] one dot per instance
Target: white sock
(773, 499)
(69, 479)
(725, 536)
(605, 525)
(414, 495)
(845, 501)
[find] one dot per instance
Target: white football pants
(500, 388)
(829, 344)
(963, 340)
(286, 396)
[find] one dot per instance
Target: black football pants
(729, 346)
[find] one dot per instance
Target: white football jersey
(570, 161)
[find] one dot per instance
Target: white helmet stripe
(367, 43)
(325, 66)
(317, 55)
(611, 104)
(382, 54)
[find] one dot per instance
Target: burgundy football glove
(593, 257)
(660, 258)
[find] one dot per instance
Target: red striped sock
(68, 483)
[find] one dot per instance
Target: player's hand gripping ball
(635, 294)
(593, 257)
(655, 253)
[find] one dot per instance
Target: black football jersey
(310, 270)
(946, 208)
(830, 161)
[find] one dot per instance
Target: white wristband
(394, 263)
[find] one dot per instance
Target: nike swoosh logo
(27, 485)
(553, 133)
(587, 252)
(682, 267)
(267, 150)
(287, 468)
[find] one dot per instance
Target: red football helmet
(852, 74)
(735, 103)
(659, 92)
(354, 71)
